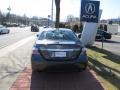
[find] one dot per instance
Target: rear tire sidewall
(0, 32)
(8, 32)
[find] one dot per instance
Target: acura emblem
(59, 46)
(57, 42)
(90, 8)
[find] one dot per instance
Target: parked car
(34, 28)
(45, 27)
(21, 26)
(4, 30)
(101, 34)
(58, 48)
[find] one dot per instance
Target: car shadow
(108, 55)
(111, 41)
(108, 41)
(64, 81)
(2, 33)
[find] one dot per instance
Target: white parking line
(12, 47)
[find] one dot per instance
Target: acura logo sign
(89, 11)
(90, 8)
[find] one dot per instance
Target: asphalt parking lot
(112, 45)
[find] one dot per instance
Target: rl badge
(89, 11)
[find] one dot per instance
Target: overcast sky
(42, 8)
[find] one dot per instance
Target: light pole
(8, 15)
(52, 13)
(48, 20)
(9, 9)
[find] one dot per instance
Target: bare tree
(70, 18)
(57, 3)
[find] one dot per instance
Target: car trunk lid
(59, 50)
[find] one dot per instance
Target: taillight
(35, 51)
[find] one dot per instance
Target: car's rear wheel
(83, 68)
(35, 68)
(8, 32)
(0, 32)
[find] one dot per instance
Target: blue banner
(89, 11)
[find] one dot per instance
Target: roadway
(14, 54)
(15, 35)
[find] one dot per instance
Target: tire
(85, 66)
(34, 68)
(8, 32)
(79, 70)
(0, 32)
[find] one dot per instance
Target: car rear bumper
(34, 30)
(106, 37)
(38, 62)
(55, 64)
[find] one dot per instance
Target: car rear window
(58, 35)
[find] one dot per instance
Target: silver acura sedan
(58, 48)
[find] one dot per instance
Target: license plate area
(59, 54)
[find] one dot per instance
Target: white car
(4, 30)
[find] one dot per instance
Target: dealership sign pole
(90, 15)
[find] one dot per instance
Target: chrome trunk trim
(59, 50)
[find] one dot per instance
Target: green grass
(107, 67)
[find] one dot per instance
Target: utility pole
(8, 15)
(52, 14)
(48, 20)
(57, 3)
